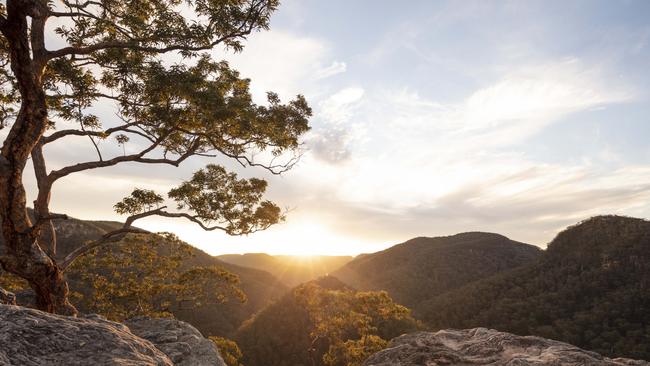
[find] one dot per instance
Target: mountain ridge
(420, 268)
(589, 288)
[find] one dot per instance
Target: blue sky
(436, 117)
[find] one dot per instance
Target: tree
(121, 52)
(229, 350)
(145, 275)
(351, 323)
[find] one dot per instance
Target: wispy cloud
(337, 67)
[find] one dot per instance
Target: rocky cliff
(481, 346)
(30, 337)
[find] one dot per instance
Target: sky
(430, 119)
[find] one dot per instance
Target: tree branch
(135, 45)
(139, 158)
(72, 132)
(111, 237)
(276, 169)
(194, 219)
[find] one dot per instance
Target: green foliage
(140, 200)
(140, 276)
(215, 195)
(229, 350)
(354, 352)
(589, 289)
(349, 321)
(323, 323)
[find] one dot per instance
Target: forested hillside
(260, 288)
(291, 270)
(423, 268)
(590, 288)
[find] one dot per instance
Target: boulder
(180, 341)
(7, 298)
(30, 337)
(481, 346)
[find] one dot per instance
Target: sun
(305, 239)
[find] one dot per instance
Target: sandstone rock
(7, 298)
(480, 346)
(180, 341)
(30, 337)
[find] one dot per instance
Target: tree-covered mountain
(291, 270)
(590, 288)
(260, 287)
(423, 268)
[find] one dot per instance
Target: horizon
(429, 120)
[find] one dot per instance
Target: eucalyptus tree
(123, 52)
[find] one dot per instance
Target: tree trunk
(22, 254)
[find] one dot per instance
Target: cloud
(286, 63)
(330, 145)
(425, 167)
(529, 99)
(338, 108)
(336, 67)
(332, 137)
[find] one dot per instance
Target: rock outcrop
(180, 341)
(29, 337)
(481, 346)
(7, 298)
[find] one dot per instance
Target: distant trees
(116, 53)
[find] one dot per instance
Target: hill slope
(590, 288)
(291, 270)
(422, 268)
(261, 288)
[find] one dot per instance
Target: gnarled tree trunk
(23, 254)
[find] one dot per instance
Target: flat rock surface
(30, 337)
(180, 341)
(481, 346)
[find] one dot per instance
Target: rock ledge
(481, 346)
(30, 337)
